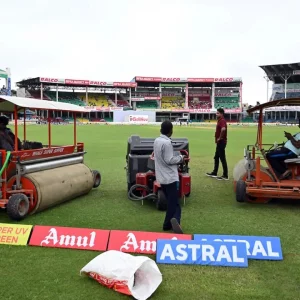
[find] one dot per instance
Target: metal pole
(267, 79)
(285, 80)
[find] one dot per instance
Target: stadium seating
(288, 95)
(227, 102)
(120, 101)
(96, 100)
(172, 102)
(203, 102)
(37, 95)
(66, 97)
(147, 104)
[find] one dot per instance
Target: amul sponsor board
(138, 119)
(140, 241)
(68, 237)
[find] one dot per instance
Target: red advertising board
(68, 237)
(140, 241)
(80, 82)
(153, 79)
(200, 79)
(125, 84)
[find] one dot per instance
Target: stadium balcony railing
(147, 104)
(65, 97)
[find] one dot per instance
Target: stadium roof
(276, 103)
(8, 103)
(278, 73)
(138, 80)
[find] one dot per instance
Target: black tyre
(188, 194)
(97, 178)
(240, 191)
(17, 207)
(161, 203)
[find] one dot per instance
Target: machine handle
(184, 152)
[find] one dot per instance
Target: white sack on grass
(137, 276)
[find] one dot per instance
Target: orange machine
(259, 184)
(41, 176)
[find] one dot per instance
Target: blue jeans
(171, 192)
(277, 157)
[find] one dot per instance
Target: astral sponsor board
(139, 241)
(69, 237)
(258, 247)
(14, 234)
(195, 252)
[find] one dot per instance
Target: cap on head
(166, 127)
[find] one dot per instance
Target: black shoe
(176, 226)
(222, 178)
(212, 174)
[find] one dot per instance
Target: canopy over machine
(39, 176)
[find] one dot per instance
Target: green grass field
(47, 273)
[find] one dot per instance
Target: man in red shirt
(221, 142)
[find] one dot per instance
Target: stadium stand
(120, 101)
(37, 95)
(66, 97)
(147, 104)
(203, 102)
(227, 102)
(288, 95)
(96, 100)
(172, 102)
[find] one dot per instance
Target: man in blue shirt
(166, 172)
(290, 149)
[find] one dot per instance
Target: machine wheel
(97, 178)
(188, 194)
(241, 191)
(161, 203)
(265, 176)
(17, 207)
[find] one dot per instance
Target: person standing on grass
(166, 172)
(221, 143)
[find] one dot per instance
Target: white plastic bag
(137, 276)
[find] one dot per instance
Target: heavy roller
(37, 177)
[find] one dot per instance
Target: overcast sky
(116, 40)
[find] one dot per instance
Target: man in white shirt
(166, 173)
(291, 149)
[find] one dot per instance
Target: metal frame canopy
(261, 107)
(14, 104)
(283, 73)
(275, 103)
(8, 104)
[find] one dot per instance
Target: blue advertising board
(192, 252)
(258, 247)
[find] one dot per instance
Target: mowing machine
(140, 169)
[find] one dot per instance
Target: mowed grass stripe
(44, 273)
